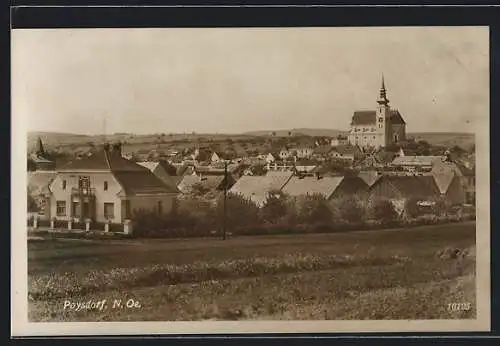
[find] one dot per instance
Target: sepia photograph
(251, 179)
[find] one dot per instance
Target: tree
(314, 209)
(384, 210)
(240, 212)
(350, 209)
(274, 208)
(32, 205)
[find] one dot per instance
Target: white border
(19, 304)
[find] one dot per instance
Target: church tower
(383, 117)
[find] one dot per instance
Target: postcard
(250, 180)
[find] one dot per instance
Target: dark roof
(369, 117)
(412, 186)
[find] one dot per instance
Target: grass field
(390, 274)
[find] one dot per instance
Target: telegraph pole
(225, 202)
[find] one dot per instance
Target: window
(373, 137)
(64, 184)
(109, 210)
(61, 208)
(380, 120)
(379, 126)
(160, 207)
(76, 209)
(105, 186)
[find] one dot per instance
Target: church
(377, 128)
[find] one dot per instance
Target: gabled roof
(211, 182)
(411, 186)
(325, 186)
(443, 180)
(415, 160)
(256, 188)
(134, 178)
(369, 177)
(370, 118)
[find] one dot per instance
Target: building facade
(105, 187)
(377, 128)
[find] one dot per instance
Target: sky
(232, 80)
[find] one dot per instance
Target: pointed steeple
(39, 147)
(383, 93)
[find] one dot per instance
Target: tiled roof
(211, 182)
(411, 186)
(415, 160)
(369, 177)
(134, 178)
(443, 180)
(39, 159)
(369, 117)
(256, 188)
(325, 186)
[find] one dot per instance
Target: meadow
(411, 273)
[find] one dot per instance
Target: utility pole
(225, 202)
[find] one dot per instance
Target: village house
(416, 163)
(345, 153)
(398, 189)
(377, 128)
(207, 183)
(286, 153)
(457, 180)
(106, 187)
(329, 187)
(339, 140)
(304, 152)
(163, 170)
(258, 188)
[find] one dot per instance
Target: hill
(297, 131)
(446, 139)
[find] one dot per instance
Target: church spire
(39, 147)
(383, 93)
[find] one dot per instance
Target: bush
(349, 209)
(314, 210)
(384, 211)
(441, 206)
(240, 212)
(412, 208)
(275, 208)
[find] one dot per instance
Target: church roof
(369, 117)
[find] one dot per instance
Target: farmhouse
(328, 187)
(163, 170)
(204, 182)
(107, 187)
(257, 188)
(401, 188)
(416, 163)
(456, 180)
